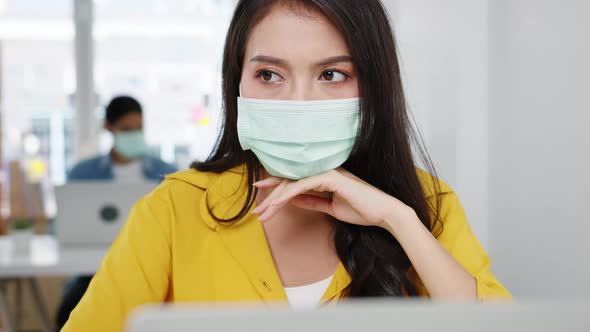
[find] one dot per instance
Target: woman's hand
(352, 200)
(357, 202)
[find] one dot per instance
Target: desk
(46, 259)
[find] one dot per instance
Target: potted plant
(21, 231)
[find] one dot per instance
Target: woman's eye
(268, 76)
(333, 76)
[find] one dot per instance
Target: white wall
(540, 145)
(443, 48)
(500, 90)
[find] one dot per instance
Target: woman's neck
(300, 238)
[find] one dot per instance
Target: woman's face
(297, 56)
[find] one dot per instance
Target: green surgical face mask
(298, 139)
(130, 144)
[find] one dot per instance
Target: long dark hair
(382, 155)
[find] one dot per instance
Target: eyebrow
(282, 62)
(268, 59)
(335, 59)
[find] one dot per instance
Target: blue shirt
(101, 168)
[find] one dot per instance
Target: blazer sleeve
(135, 271)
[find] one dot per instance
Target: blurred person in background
(127, 162)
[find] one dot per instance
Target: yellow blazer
(172, 250)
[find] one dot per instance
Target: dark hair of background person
(382, 154)
(120, 106)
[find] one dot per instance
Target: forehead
(287, 32)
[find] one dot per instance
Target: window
(36, 82)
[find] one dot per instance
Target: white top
(308, 296)
(129, 173)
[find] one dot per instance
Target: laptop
(379, 316)
(91, 214)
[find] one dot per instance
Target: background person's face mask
(130, 144)
(298, 139)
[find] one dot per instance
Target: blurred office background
(62, 60)
(497, 87)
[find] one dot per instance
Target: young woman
(311, 195)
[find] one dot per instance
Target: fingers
(288, 190)
(296, 188)
(268, 183)
(269, 211)
(271, 207)
(349, 175)
(267, 202)
(320, 183)
(313, 203)
(316, 183)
